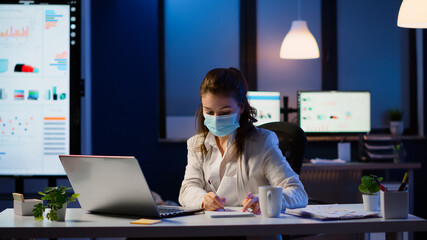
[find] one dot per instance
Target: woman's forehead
(218, 100)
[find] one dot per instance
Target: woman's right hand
(212, 202)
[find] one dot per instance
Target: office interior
(143, 61)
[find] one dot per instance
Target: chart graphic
(14, 125)
(25, 68)
(35, 86)
(51, 18)
(3, 94)
(54, 136)
(11, 32)
(16, 29)
(52, 94)
(33, 95)
(18, 94)
(4, 65)
(60, 61)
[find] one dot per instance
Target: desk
(81, 224)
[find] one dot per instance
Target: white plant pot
(61, 213)
(396, 128)
(370, 202)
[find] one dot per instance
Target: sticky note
(145, 221)
(18, 197)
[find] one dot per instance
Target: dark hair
(228, 82)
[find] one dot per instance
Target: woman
(231, 153)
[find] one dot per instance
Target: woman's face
(218, 105)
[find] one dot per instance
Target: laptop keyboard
(173, 212)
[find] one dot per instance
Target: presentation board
(39, 71)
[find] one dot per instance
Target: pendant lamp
(413, 14)
(299, 43)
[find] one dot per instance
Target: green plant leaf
(363, 188)
(395, 115)
(366, 180)
(74, 197)
(380, 179)
(55, 198)
(38, 211)
(374, 188)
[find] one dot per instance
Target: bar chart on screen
(34, 88)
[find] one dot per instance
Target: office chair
(292, 142)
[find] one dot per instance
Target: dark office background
(125, 94)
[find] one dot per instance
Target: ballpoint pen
(213, 190)
(404, 182)
(380, 185)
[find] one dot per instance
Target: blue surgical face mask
(221, 126)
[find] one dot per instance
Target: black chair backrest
(292, 142)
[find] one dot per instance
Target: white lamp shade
(299, 43)
(413, 14)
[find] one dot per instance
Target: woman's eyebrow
(226, 107)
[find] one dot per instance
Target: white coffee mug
(270, 200)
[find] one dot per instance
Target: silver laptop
(115, 185)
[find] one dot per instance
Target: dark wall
(125, 91)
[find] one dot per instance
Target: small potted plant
(56, 199)
(369, 189)
(396, 123)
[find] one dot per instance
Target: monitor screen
(36, 42)
(334, 111)
(267, 105)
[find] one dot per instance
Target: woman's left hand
(251, 202)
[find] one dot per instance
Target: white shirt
(223, 169)
(262, 163)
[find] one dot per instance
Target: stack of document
(330, 212)
(327, 161)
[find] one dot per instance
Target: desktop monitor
(267, 105)
(39, 85)
(334, 111)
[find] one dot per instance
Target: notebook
(115, 185)
(229, 212)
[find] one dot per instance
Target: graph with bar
(11, 32)
(60, 61)
(51, 18)
(34, 88)
(54, 136)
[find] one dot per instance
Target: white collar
(211, 142)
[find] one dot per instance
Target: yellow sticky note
(146, 221)
(18, 197)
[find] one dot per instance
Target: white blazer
(262, 163)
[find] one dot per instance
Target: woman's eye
(224, 113)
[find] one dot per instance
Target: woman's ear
(241, 109)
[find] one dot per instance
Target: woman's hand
(212, 202)
(251, 202)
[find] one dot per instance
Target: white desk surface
(78, 223)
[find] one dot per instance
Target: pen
(213, 190)
(379, 184)
(404, 182)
